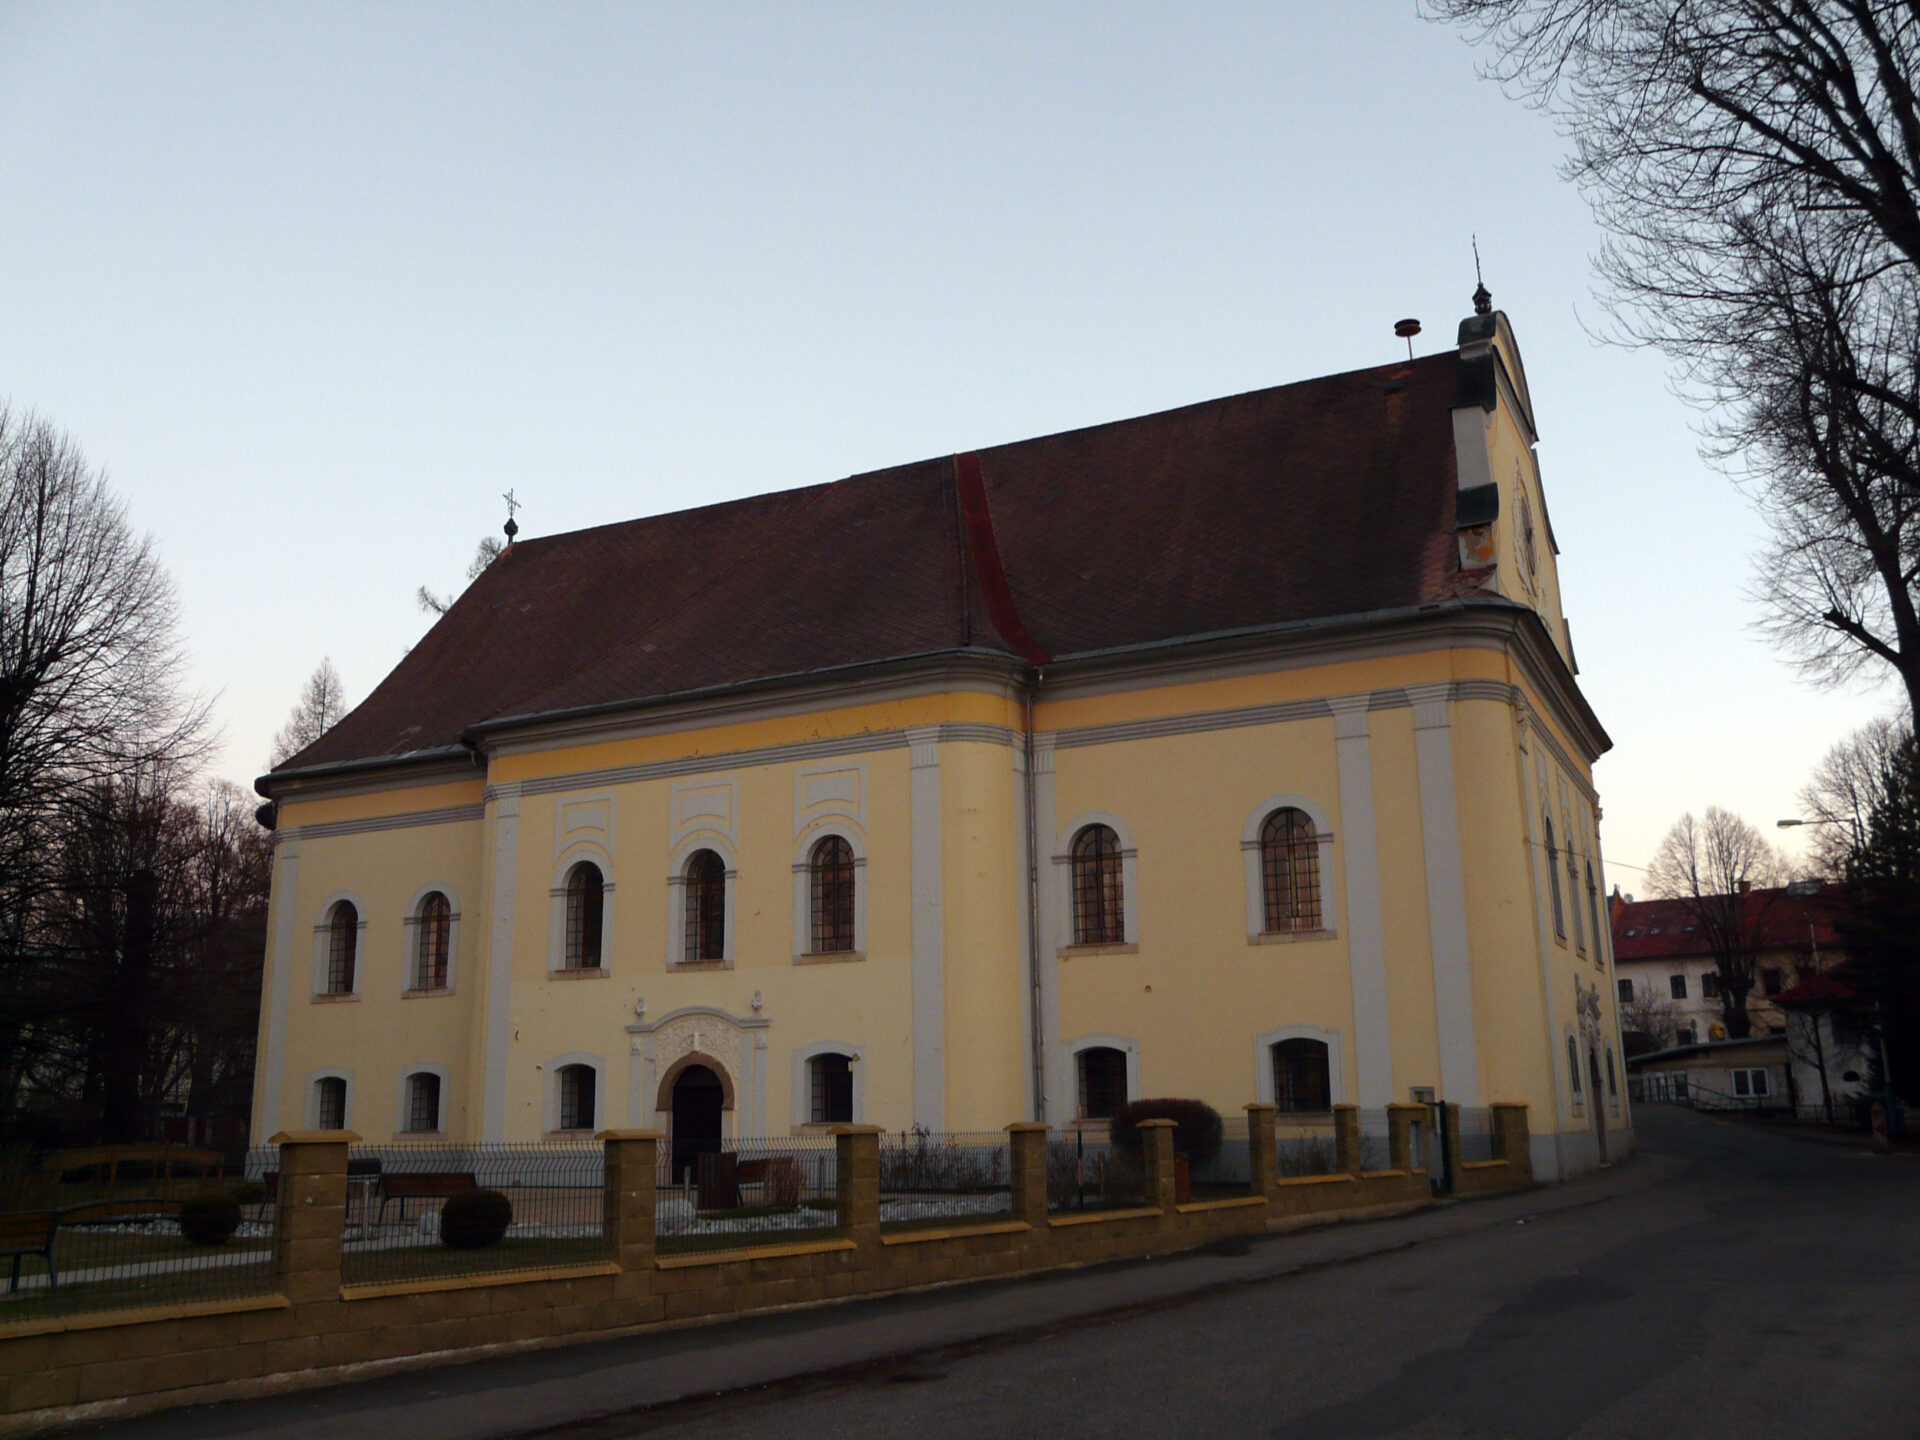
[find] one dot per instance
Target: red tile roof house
(1661, 954)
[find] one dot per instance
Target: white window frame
(322, 940)
(803, 891)
(312, 1108)
(1759, 1084)
(403, 1110)
(803, 1086)
(1129, 882)
(557, 909)
(595, 1063)
(410, 930)
(1263, 1061)
(1255, 873)
(681, 858)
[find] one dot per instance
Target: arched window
(586, 898)
(423, 1102)
(830, 876)
(1613, 1086)
(1553, 882)
(1593, 912)
(1290, 872)
(1103, 1080)
(432, 942)
(576, 1097)
(1573, 1065)
(343, 946)
(330, 1103)
(830, 1079)
(706, 901)
(1099, 900)
(1573, 888)
(1302, 1076)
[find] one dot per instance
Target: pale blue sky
(316, 283)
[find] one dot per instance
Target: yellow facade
(1429, 751)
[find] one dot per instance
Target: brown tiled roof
(1333, 497)
(1659, 929)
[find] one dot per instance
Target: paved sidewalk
(568, 1387)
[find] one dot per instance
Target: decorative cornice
(327, 829)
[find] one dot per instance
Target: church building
(1233, 752)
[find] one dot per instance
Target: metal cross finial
(512, 506)
(1482, 297)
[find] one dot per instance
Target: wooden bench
(30, 1234)
(427, 1185)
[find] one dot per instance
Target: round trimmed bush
(475, 1219)
(209, 1219)
(248, 1192)
(1196, 1127)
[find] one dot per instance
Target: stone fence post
(1156, 1156)
(1511, 1137)
(1027, 1140)
(1401, 1119)
(310, 1213)
(632, 1160)
(1348, 1157)
(857, 1178)
(1262, 1162)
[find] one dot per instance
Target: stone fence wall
(315, 1329)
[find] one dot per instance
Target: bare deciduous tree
(488, 551)
(322, 702)
(1648, 1021)
(1726, 874)
(1855, 777)
(1756, 165)
(90, 666)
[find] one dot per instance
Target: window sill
(585, 1132)
(1067, 952)
(821, 1127)
(584, 972)
(329, 998)
(830, 957)
(679, 965)
(1290, 937)
(418, 1137)
(426, 992)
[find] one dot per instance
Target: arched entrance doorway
(698, 1099)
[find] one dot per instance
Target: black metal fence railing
(1087, 1172)
(752, 1191)
(933, 1179)
(438, 1210)
(1304, 1145)
(1230, 1171)
(1376, 1142)
(1478, 1139)
(113, 1236)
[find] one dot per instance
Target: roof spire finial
(1482, 297)
(512, 505)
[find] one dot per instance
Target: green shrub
(248, 1192)
(209, 1219)
(475, 1219)
(1196, 1127)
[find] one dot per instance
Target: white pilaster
(1446, 898)
(1549, 1158)
(929, 960)
(506, 859)
(1366, 943)
(273, 1054)
(1059, 1087)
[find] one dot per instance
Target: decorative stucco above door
(737, 1043)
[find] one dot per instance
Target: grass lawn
(433, 1262)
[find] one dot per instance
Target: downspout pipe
(1036, 1020)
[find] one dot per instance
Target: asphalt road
(1727, 1282)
